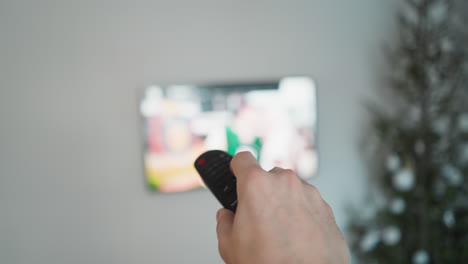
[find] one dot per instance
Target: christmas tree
(418, 211)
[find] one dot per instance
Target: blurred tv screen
(276, 121)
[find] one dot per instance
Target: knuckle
(313, 191)
(276, 170)
(291, 179)
(289, 173)
(312, 188)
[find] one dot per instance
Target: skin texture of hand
(279, 219)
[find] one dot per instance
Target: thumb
(225, 219)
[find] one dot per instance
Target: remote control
(214, 169)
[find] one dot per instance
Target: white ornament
(463, 154)
(391, 235)
(414, 114)
(411, 15)
(441, 125)
(448, 218)
(437, 12)
(433, 76)
(421, 257)
(397, 206)
(393, 162)
(446, 44)
(404, 180)
(453, 175)
(370, 240)
(463, 122)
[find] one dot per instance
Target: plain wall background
(71, 76)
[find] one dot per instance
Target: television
(276, 121)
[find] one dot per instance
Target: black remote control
(214, 168)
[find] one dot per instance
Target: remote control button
(233, 203)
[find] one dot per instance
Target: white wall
(71, 73)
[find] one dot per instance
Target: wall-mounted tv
(276, 121)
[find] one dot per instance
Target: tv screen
(275, 121)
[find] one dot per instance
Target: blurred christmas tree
(419, 213)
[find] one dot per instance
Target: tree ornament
(437, 12)
(448, 218)
(404, 180)
(414, 114)
(370, 240)
(411, 15)
(397, 205)
(447, 45)
(463, 154)
(393, 162)
(453, 175)
(463, 122)
(441, 125)
(421, 257)
(391, 235)
(433, 76)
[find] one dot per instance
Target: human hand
(279, 219)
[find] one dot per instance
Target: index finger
(243, 165)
